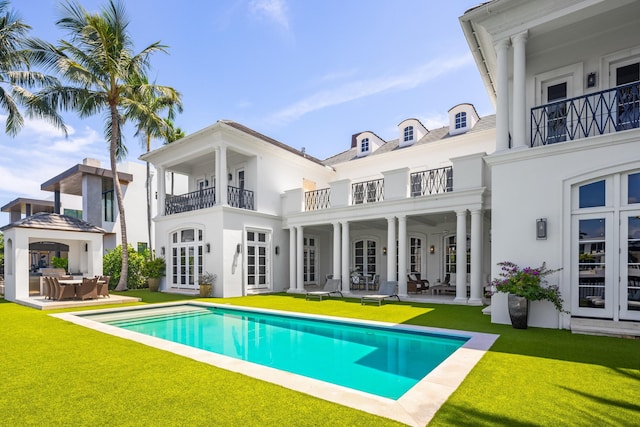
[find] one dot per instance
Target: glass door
(258, 259)
(310, 262)
(556, 112)
(593, 257)
(630, 266)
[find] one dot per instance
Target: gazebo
(83, 241)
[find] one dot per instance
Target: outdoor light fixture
(432, 249)
(591, 79)
(384, 250)
(238, 248)
(86, 247)
(208, 246)
(162, 251)
(277, 250)
(541, 229)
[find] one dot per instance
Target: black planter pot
(518, 311)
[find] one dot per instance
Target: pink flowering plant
(528, 282)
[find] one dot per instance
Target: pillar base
(475, 301)
(460, 301)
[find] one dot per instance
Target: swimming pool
(373, 359)
(415, 407)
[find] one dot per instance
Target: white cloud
(273, 10)
(364, 88)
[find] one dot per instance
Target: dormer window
(408, 133)
(364, 145)
(462, 118)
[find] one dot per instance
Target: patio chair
(103, 286)
(48, 288)
(387, 290)
(445, 286)
(332, 286)
(88, 289)
(63, 291)
(415, 284)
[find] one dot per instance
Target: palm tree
(151, 125)
(103, 75)
(15, 72)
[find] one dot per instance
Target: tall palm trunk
(149, 197)
(115, 137)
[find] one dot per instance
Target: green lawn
(57, 373)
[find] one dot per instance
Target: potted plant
(206, 282)
(154, 269)
(523, 285)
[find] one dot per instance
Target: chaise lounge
(387, 290)
(331, 286)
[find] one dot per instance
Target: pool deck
(416, 407)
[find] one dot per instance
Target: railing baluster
(433, 181)
(199, 199)
(317, 199)
(367, 191)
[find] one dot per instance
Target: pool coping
(416, 407)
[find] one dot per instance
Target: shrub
(112, 266)
(154, 268)
(60, 263)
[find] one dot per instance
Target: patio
(41, 303)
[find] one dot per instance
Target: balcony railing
(367, 192)
(240, 198)
(200, 199)
(599, 113)
(317, 199)
(433, 181)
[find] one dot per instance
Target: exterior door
(258, 259)
(593, 258)
(627, 95)
(310, 261)
(629, 293)
(186, 258)
(556, 112)
(365, 257)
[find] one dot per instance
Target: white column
(476, 257)
(346, 287)
(336, 250)
(391, 248)
(221, 176)
(502, 89)
(402, 255)
(461, 257)
(292, 258)
(519, 42)
(299, 259)
(162, 189)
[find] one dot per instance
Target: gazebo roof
(53, 221)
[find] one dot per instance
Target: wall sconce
(541, 229)
(432, 249)
(277, 250)
(592, 79)
(208, 247)
(384, 250)
(238, 248)
(162, 251)
(230, 177)
(86, 247)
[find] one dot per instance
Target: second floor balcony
(206, 198)
(598, 113)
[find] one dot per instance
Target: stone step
(610, 328)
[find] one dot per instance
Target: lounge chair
(415, 284)
(387, 290)
(332, 286)
(88, 289)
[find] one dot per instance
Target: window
(107, 206)
(73, 213)
(408, 133)
(461, 120)
(142, 247)
(633, 188)
(556, 113)
(364, 145)
(451, 249)
(628, 96)
(592, 195)
(415, 255)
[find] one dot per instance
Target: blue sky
(309, 73)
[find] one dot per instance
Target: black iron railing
(200, 199)
(599, 113)
(367, 192)
(317, 199)
(240, 198)
(433, 181)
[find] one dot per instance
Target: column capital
(477, 211)
(520, 37)
(402, 218)
(390, 218)
(461, 212)
(502, 44)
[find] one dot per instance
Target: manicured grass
(57, 373)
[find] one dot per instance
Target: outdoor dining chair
(88, 289)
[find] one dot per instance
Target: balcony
(433, 181)
(598, 113)
(206, 198)
(317, 199)
(367, 191)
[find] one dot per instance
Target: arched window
(408, 133)
(364, 145)
(461, 120)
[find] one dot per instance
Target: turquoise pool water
(378, 360)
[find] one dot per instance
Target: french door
(630, 265)
(258, 259)
(186, 258)
(310, 261)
